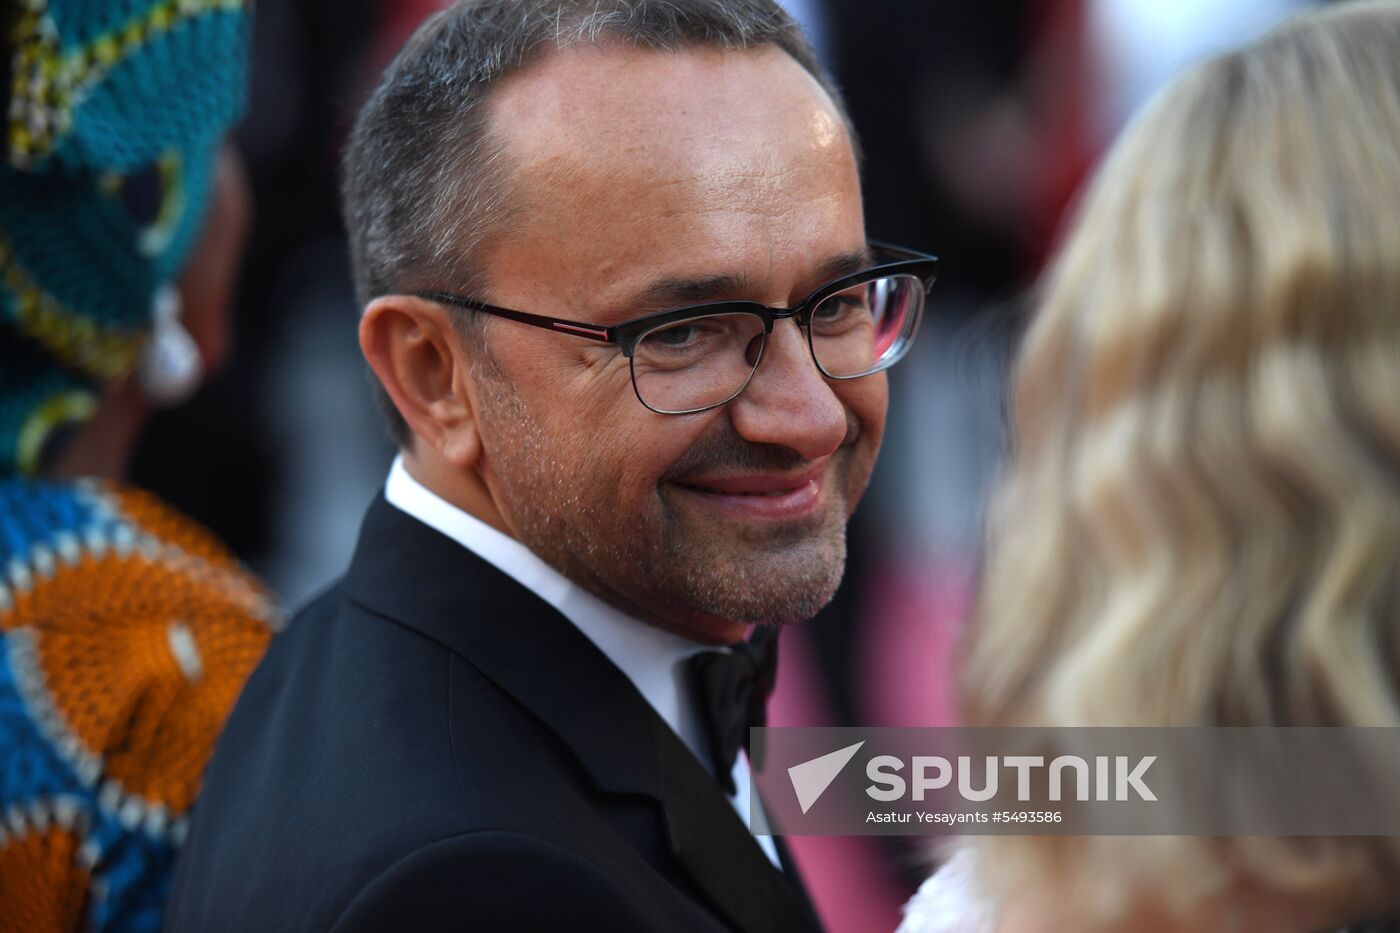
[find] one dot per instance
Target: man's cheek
(867, 400)
(626, 487)
(855, 475)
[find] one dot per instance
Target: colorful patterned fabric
(126, 633)
(116, 109)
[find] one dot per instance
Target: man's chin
(766, 585)
(774, 609)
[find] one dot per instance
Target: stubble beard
(653, 562)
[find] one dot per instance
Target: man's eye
(839, 308)
(699, 332)
(675, 336)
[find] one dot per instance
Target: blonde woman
(1200, 522)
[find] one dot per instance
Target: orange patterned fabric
(128, 632)
(42, 885)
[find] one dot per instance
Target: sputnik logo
(811, 778)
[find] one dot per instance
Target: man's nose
(788, 401)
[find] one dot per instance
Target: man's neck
(464, 489)
(651, 656)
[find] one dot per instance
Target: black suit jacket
(430, 746)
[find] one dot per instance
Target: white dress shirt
(653, 659)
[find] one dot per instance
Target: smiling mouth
(761, 496)
(769, 494)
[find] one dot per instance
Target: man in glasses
(632, 338)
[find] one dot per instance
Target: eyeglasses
(696, 358)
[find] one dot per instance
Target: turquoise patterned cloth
(116, 109)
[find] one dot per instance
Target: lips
(756, 484)
(760, 494)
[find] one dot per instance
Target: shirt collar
(651, 658)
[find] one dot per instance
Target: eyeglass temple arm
(903, 251)
(577, 328)
(904, 254)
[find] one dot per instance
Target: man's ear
(414, 349)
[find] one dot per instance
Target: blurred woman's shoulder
(948, 902)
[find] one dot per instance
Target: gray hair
(424, 180)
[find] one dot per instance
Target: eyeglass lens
(703, 362)
(866, 327)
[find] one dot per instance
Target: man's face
(646, 180)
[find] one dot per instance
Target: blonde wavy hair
(1200, 520)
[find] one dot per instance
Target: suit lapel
(718, 850)
(794, 877)
(414, 576)
(421, 579)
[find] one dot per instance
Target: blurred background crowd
(978, 121)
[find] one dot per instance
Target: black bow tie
(734, 687)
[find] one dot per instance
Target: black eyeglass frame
(627, 334)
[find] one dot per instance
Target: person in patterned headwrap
(126, 631)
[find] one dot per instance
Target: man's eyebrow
(681, 291)
(843, 265)
(678, 292)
